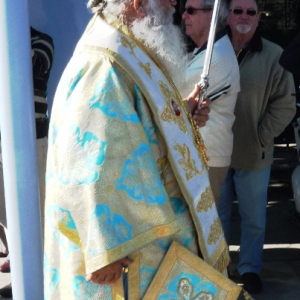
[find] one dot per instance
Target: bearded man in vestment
(126, 171)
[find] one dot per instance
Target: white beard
(158, 33)
(243, 28)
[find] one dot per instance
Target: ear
(138, 7)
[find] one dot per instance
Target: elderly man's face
(243, 17)
(197, 22)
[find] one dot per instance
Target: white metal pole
(203, 84)
(19, 154)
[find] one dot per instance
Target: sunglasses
(191, 10)
(239, 11)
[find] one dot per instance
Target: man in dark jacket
(265, 106)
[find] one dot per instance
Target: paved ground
(281, 272)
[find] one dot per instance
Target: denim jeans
(250, 188)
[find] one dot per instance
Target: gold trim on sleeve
(111, 255)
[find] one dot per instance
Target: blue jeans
(250, 188)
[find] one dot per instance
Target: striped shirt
(42, 58)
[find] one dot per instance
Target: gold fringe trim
(223, 261)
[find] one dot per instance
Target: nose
(244, 14)
(184, 15)
(173, 2)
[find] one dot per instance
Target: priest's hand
(200, 115)
(109, 274)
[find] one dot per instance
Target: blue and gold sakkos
(125, 175)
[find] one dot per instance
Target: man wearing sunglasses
(223, 84)
(263, 109)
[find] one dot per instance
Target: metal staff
(203, 83)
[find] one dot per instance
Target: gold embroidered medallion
(172, 110)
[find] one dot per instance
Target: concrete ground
(281, 272)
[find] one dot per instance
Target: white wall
(64, 21)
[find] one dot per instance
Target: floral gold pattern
(146, 67)
(128, 44)
(215, 232)
(206, 201)
(188, 164)
(186, 291)
(131, 45)
(169, 114)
